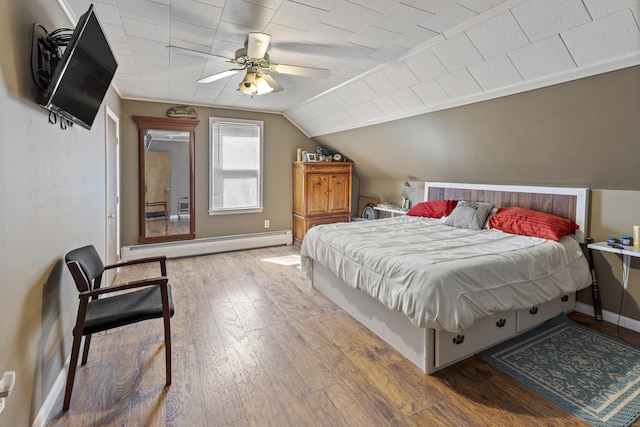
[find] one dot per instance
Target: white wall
(52, 194)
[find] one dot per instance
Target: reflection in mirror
(166, 178)
(166, 168)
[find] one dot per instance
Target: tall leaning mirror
(166, 178)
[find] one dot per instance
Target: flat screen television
(83, 75)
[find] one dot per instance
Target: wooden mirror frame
(165, 123)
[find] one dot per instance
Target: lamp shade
(262, 86)
(248, 84)
(254, 84)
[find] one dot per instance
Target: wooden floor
(161, 227)
(254, 345)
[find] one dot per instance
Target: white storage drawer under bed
(484, 333)
(488, 331)
(530, 317)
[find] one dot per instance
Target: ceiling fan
(255, 60)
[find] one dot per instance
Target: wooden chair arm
(160, 259)
(154, 281)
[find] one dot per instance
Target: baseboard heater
(210, 245)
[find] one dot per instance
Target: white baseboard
(185, 248)
(610, 317)
(47, 406)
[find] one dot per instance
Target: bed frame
(430, 349)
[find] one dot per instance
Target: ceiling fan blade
(192, 52)
(217, 76)
(296, 70)
(257, 45)
(272, 82)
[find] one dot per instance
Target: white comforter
(444, 277)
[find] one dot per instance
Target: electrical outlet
(266, 223)
(6, 383)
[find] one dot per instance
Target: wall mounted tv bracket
(48, 53)
(48, 56)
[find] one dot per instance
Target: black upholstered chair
(133, 302)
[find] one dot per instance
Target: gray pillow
(471, 215)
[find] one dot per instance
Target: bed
(439, 293)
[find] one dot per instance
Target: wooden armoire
(321, 195)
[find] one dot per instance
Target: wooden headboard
(572, 203)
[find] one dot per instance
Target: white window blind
(235, 166)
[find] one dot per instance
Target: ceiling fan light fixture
(254, 58)
(254, 84)
(248, 84)
(262, 86)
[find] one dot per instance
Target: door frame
(112, 167)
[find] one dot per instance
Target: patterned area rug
(591, 375)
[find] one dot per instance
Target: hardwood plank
(354, 339)
(220, 393)
(444, 415)
(300, 340)
(185, 401)
(289, 387)
(479, 388)
(341, 406)
(254, 388)
(360, 388)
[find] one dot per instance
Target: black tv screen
(83, 75)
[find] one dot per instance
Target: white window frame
(213, 210)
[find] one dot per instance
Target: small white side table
(392, 209)
(627, 253)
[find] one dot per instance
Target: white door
(112, 126)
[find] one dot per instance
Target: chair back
(85, 265)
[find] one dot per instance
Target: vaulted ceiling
(388, 59)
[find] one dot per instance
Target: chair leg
(167, 346)
(73, 364)
(85, 352)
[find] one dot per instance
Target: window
(235, 166)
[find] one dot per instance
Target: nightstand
(392, 209)
(627, 253)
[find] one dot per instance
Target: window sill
(235, 211)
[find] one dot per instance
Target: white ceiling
(388, 58)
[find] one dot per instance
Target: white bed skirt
(429, 349)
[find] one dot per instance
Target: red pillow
(433, 208)
(528, 222)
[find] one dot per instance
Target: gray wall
(52, 193)
(581, 133)
(281, 139)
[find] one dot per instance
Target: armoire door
(339, 193)
(317, 194)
